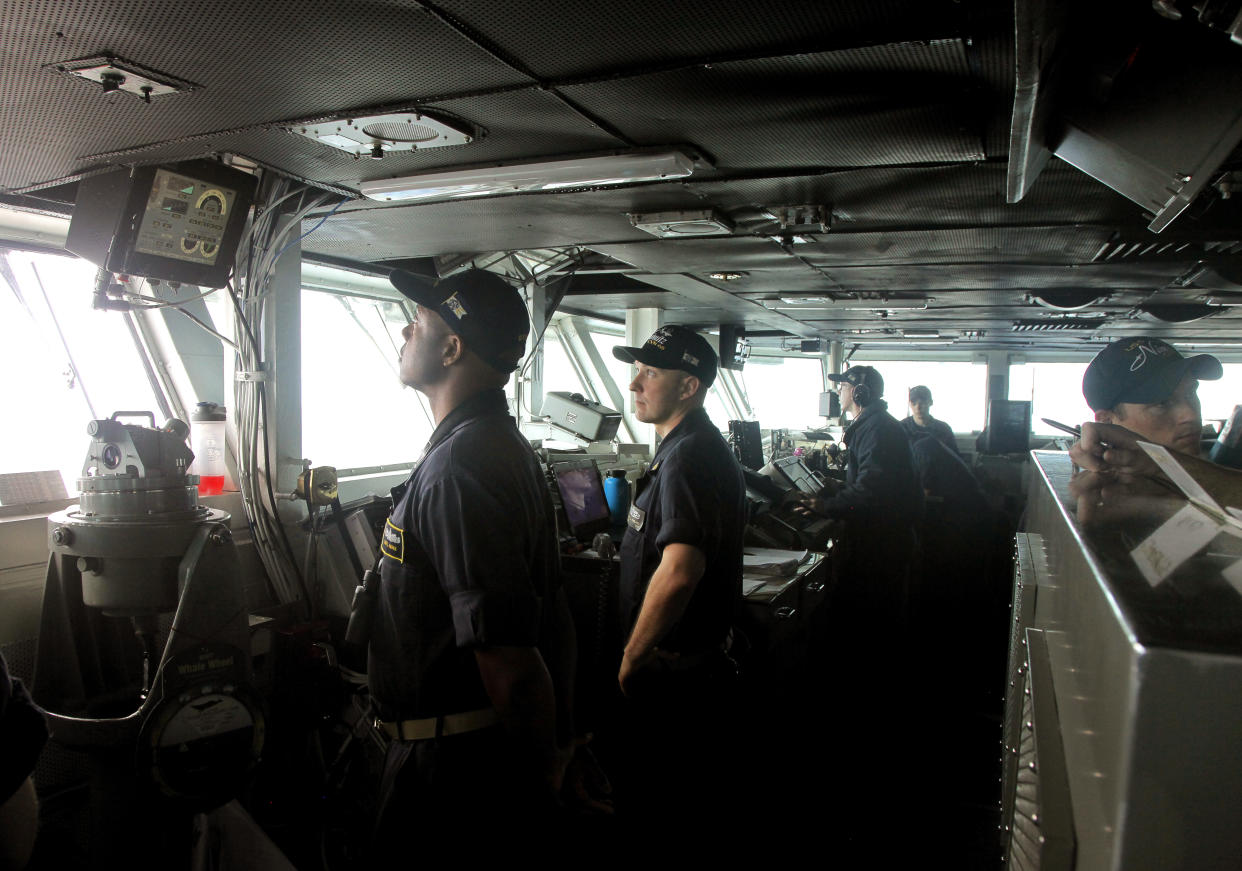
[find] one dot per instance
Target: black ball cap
(862, 375)
(674, 347)
(485, 310)
(1143, 371)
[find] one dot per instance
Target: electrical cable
(311, 230)
(206, 327)
(310, 567)
(271, 494)
(563, 283)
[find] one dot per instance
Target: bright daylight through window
(957, 387)
(355, 412)
(66, 365)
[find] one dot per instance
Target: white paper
(1179, 476)
(768, 561)
(758, 556)
(1177, 540)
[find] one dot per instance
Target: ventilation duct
(1177, 313)
(1049, 326)
(1067, 300)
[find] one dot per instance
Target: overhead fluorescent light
(921, 334)
(813, 303)
(673, 225)
(598, 171)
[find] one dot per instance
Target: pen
(1072, 430)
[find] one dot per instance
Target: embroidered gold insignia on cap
(454, 305)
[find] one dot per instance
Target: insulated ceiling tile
(512, 126)
(493, 224)
(967, 245)
(885, 104)
(565, 38)
(941, 196)
(933, 279)
(253, 63)
(701, 255)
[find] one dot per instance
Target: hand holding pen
(1111, 449)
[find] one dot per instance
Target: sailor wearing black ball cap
(1149, 388)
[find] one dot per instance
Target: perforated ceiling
(892, 115)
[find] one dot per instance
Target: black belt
(433, 727)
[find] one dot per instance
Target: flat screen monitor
(747, 441)
(1008, 426)
(795, 472)
(582, 494)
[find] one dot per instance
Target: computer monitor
(1008, 427)
(792, 472)
(747, 441)
(582, 494)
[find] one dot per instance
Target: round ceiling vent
(407, 132)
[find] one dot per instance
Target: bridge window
(355, 412)
(958, 389)
(64, 364)
(1055, 392)
(784, 395)
(1219, 397)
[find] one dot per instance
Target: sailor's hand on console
(1111, 450)
(805, 504)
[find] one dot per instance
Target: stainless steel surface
(1147, 678)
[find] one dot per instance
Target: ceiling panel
(888, 104)
(254, 62)
(560, 39)
(1011, 245)
(895, 279)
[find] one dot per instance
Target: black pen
(1064, 427)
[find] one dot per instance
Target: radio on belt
(581, 416)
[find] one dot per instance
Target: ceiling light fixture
(598, 171)
(117, 75)
(675, 225)
(727, 276)
(813, 303)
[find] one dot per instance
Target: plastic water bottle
(617, 492)
(207, 442)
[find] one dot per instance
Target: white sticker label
(1181, 537)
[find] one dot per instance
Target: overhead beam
(1037, 30)
(698, 291)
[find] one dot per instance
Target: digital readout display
(184, 218)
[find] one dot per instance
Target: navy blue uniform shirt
(940, 430)
(469, 556)
(880, 488)
(692, 494)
